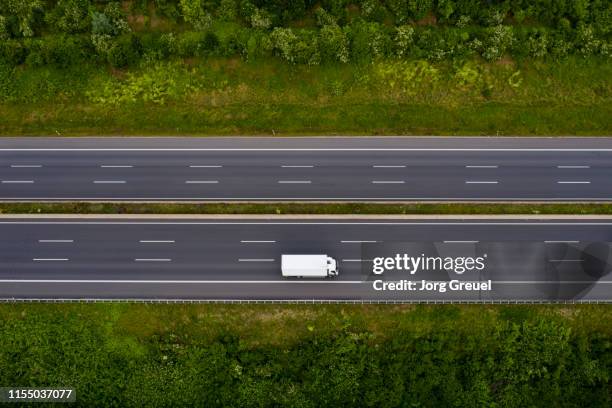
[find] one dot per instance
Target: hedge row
(31, 17)
(359, 42)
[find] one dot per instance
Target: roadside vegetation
(79, 67)
(306, 208)
(311, 356)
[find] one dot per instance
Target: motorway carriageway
(306, 169)
(208, 258)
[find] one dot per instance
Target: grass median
(306, 208)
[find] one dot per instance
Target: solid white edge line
(308, 199)
(55, 240)
(382, 223)
(170, 281)
(362, 149)
(288, 281)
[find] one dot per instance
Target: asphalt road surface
(239, 259)
(306, 169)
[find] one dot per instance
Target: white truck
(308, 266)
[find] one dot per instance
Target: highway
(208, 258)
(306, 169)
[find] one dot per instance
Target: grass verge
(233, 97)
(311, 355)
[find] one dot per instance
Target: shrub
(12, 52)
(369, 40)
(64, 51)
(333, 44)
(125, 51)
(193, 12)
(294, 49)
(70, 16)
(25, 13)
(403, 40)
(4, 33)
(110, 22)
(188, 44)
(499, 40)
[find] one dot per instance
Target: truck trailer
(308, 266)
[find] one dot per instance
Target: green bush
(125, 51)
(70, 16)
(12, 52)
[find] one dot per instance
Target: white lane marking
(399, 224)
(573, 182)
(289, 166)
(255, 260)
(573, 167)
(381, 166)
(356, 260)
(480, 182)
(116, 166)
(49, 259)
(258, 242)
(56, 240)
(388, 182)
(152, 260)
(357, 242)
(288, 281)
(109, 182)
(17, 181)
(481, 167)
(294, 181)
(460, 242)
(25, 166)
(565, 260)
(202, 182)
(561, 242)
(145, 241)
(205, 166)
